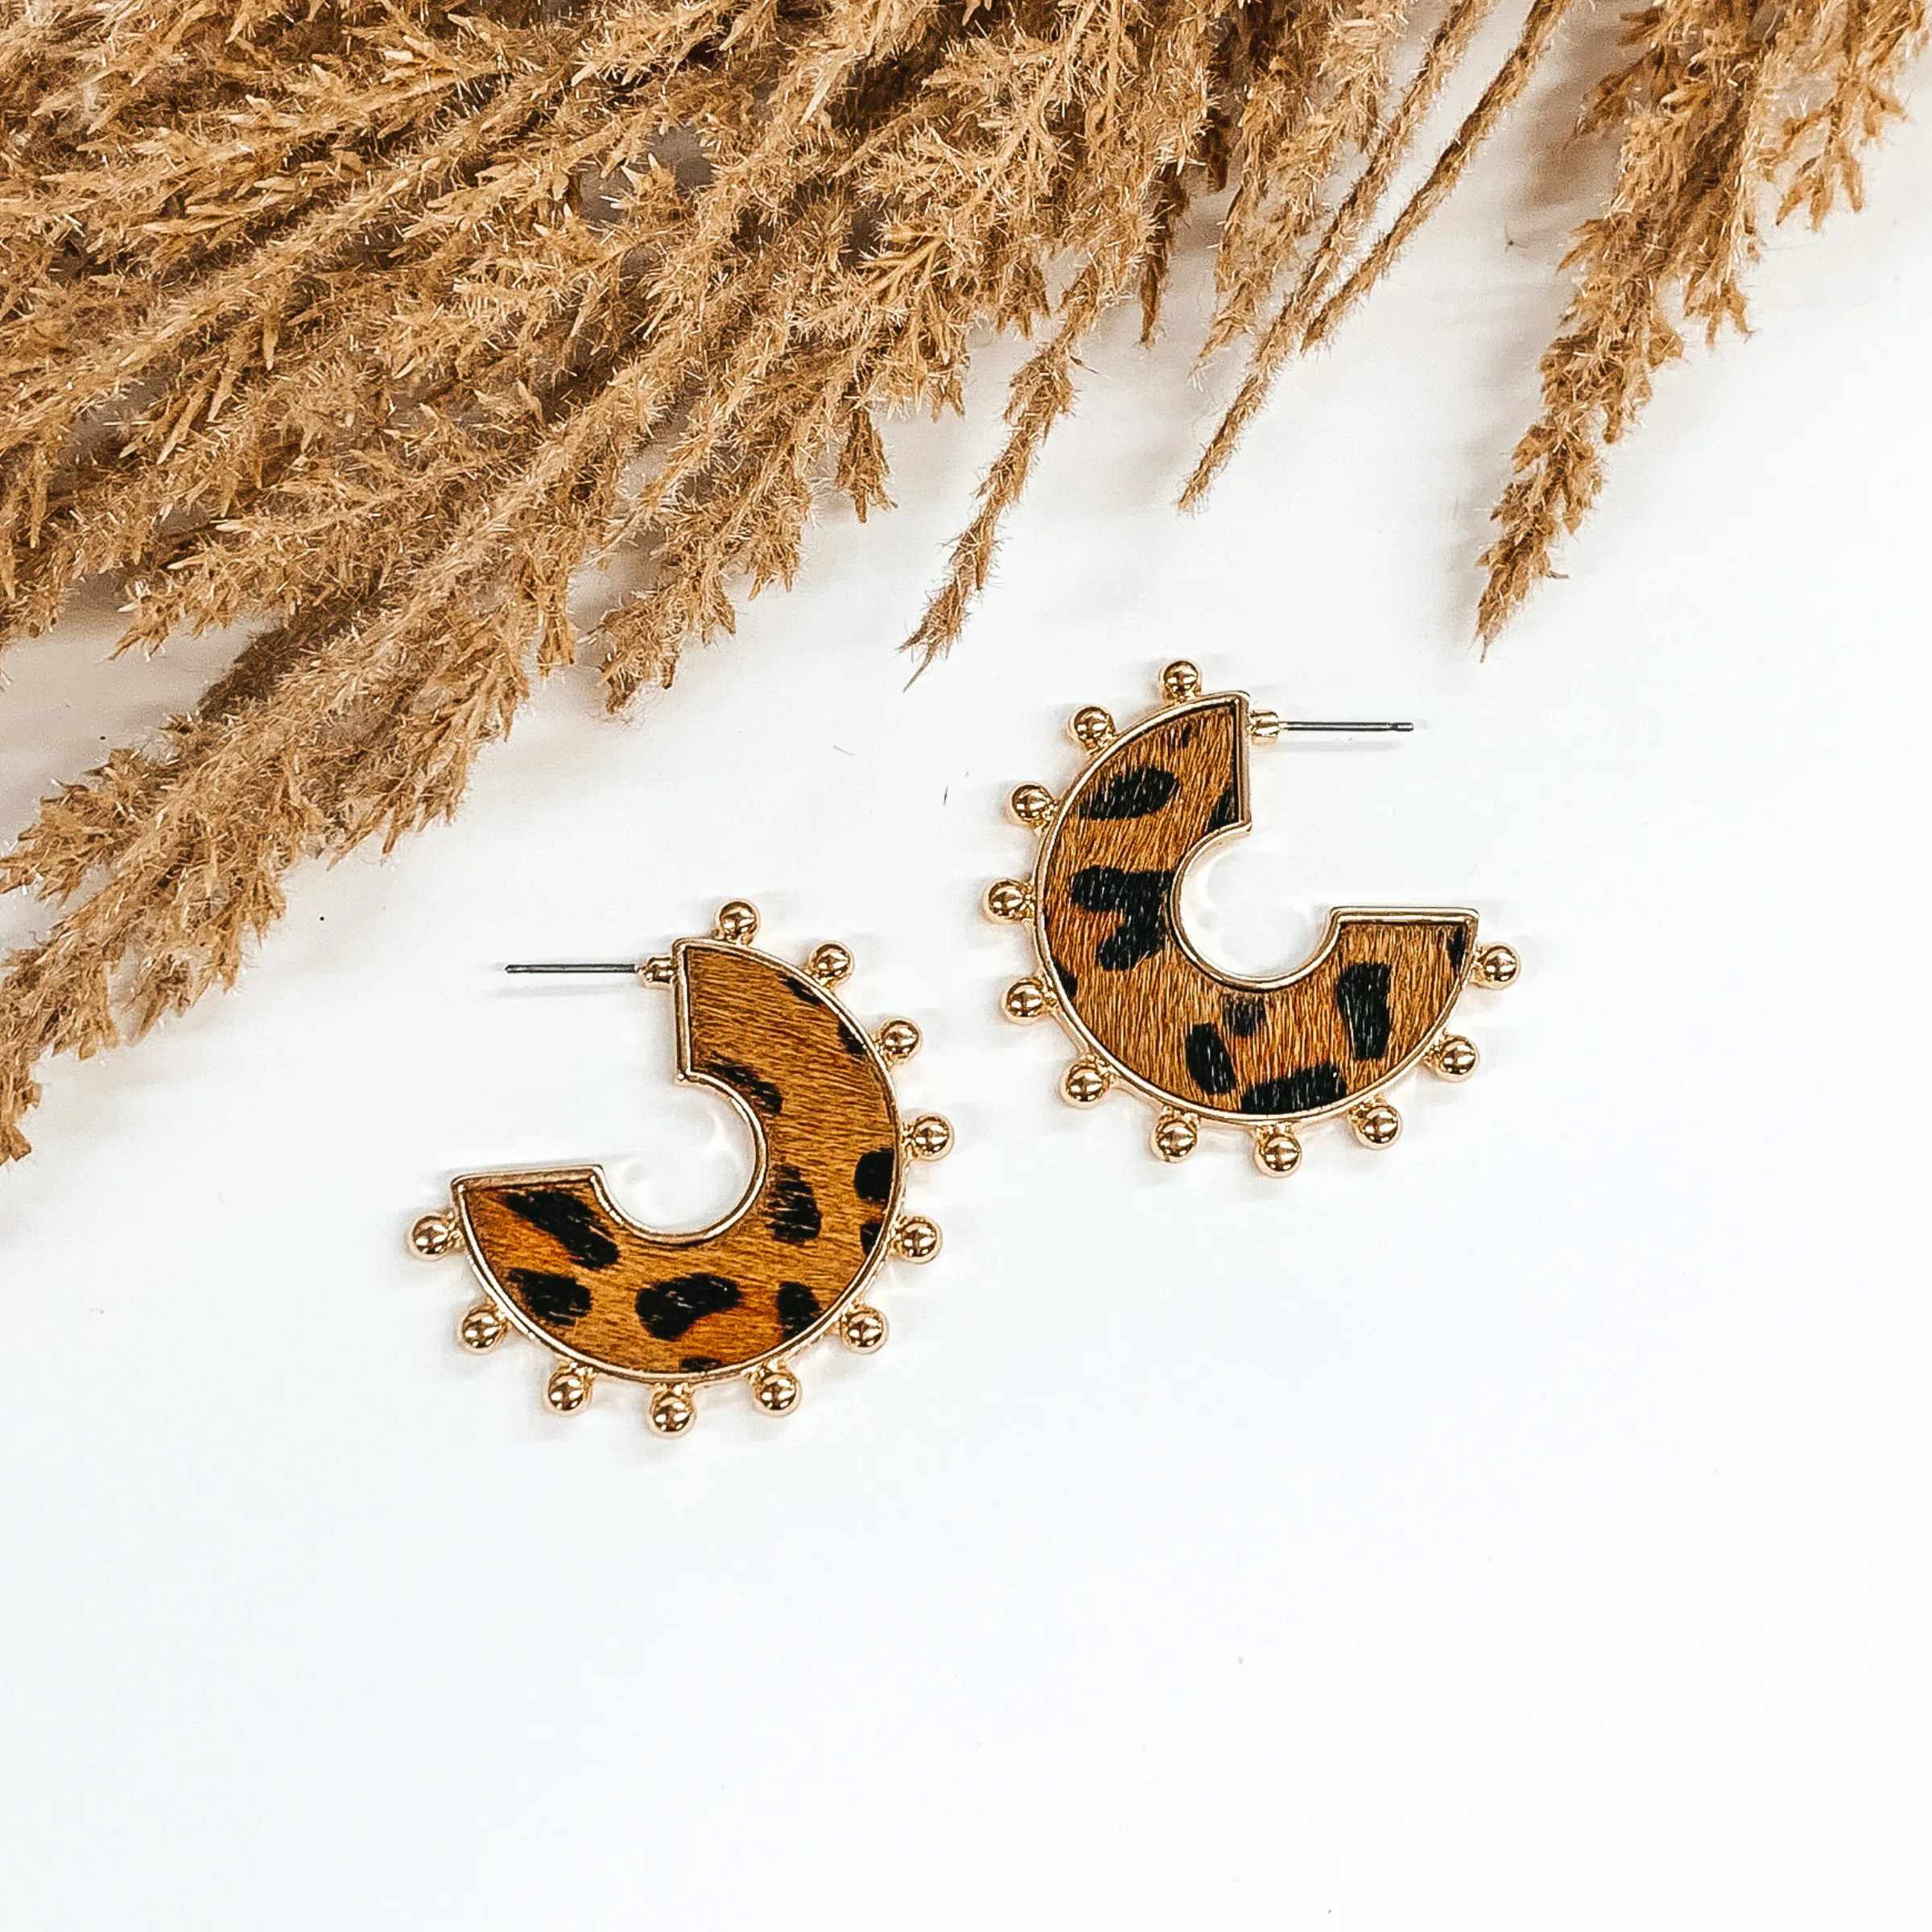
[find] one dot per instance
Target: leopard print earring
(558, 1261)
(1146, 1012)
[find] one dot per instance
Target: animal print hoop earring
(1145, 1011)
(559, 1261)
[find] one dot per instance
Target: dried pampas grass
(375, 321)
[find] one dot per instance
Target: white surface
(1523, 1530)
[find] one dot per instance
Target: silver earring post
(1268, 724)
(656, 970)
(575, 966)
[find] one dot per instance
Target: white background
(1521, 1530)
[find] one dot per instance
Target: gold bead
(737, 922)
(1007, 900)
(775, 1389)
(658, 970)
(1024, 1000)
(1497, 966)
(1377, 1124)
(930, 1137)
(568, 1388)
(672, 1411)
(1453, 1057)
(483, 1326)
(1175, 1136)
(829, 963)
(1277, 1150)
(862, 1329)
(1180, 680)
(898, 1039)
(1083, 1083)
(1091, 727)
(434, 1234)
(1032, 805)
(915, 1239)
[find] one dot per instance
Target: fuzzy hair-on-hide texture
(374, 322)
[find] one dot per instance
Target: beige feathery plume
(375, 320)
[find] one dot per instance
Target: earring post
(574, 966)
(1270, 724)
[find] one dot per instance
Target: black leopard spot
(1069, 979)
(868, 1234)
(1137, 793)
(794, 1212)
(1361, 996)
(575, 1225)
(797, 1308)
(1140, 900)
(1207, 1062)
(851, 1040)
(1226, 809)
(872, 1178)
(666, 1309)
(1243, 1016)
(1459, 947)
(698, 1365)
(556, 1300)
(754, 1086)
(1313, 1087)
(806, 994)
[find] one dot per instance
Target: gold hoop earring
(561, 1263)
(1145, 1012)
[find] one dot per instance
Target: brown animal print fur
(681, 1307)
(1369, 1002)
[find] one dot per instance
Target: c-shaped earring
(559, 1261)
(1115, 968)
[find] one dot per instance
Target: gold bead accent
(775, 1389)
(915, 1239)
(1176, 1136)
(1092, 727)
(930, 1137)
(1008, 900)
(898, 1039)
(672, 1411)
(863, 1329)
(1032, 805)
(568, 1388)
(1180, 680)
(1452, 1057)
(482, 1327)
(737, 922)
(829, 963)
(1378, 1124)
(1277, 1150)
(657, 970)
(1024, 1000)
(1497, 966)
(1083, 1083)
(434, 1234)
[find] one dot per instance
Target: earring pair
(558, 1261)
